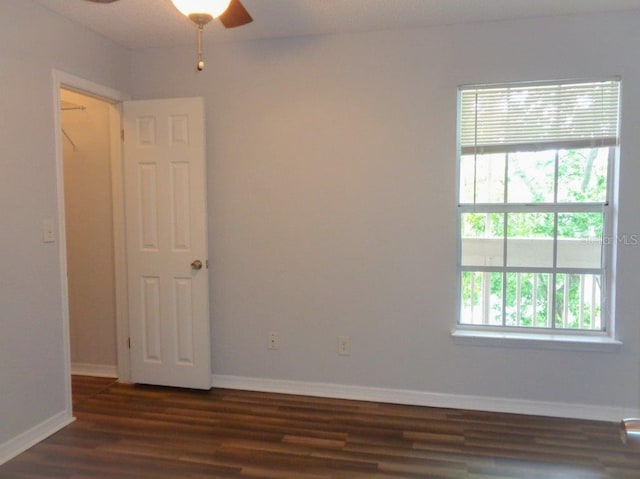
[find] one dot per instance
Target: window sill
(510, 339)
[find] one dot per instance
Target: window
(535, 174)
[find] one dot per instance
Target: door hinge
(122, 134)
(207, 264)
(129, 342)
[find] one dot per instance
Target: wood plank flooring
(145, 432)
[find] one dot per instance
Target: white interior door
(165, 208)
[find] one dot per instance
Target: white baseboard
(96, 370)
(33, 436)
(421, 398)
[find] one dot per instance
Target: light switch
(48, 231)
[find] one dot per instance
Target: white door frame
(115, 99)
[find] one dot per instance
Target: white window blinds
(539, 116)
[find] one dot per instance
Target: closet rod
(75, 148)
(67, 105)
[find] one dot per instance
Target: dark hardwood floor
(145, 432)
(84, 387)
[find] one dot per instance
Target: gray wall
(332, 166)
(33, 41)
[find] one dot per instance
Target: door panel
(165, 204)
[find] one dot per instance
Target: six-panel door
(165, 203)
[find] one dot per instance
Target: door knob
(196, 265)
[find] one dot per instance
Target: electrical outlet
(274, 340)
(344, 345)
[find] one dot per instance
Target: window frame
(607, 208)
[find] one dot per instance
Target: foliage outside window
(535, 175)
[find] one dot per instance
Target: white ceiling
(138, 24)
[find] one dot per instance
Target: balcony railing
(528, 299)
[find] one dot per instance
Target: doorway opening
(89, 233)
(82, 96)
(166, 188)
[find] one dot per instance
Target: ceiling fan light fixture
(201, 11)
(230, 12)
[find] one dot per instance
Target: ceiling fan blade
(102, 1)
(235, 15)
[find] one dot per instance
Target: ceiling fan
(231, 14)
